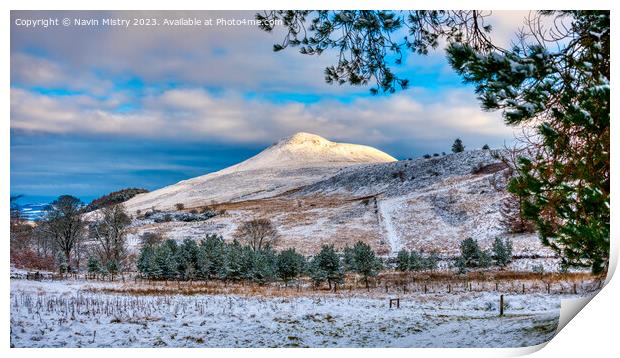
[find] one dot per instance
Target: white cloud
(238, 57)
(194, 114)
(237, 60)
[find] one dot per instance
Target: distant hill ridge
(115, 197)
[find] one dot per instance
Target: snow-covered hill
(303, 150)
(291, 163)
(318, 192)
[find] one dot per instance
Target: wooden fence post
(501, 305)
(395, 301)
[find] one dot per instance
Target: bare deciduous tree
(64, 225)
(109, 230)
(150, 238)
(259, 233)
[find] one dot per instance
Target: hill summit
(292, 162)
(310, 150)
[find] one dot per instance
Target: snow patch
(386, 207)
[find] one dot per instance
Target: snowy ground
(67, 314)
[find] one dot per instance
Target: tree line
(65, 238)
(214, 259)
(101, 238)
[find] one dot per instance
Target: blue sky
(98, 109)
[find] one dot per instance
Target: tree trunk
(68, 259)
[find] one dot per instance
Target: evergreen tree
(317, 274)
(147, 262)
(214, 251)
(431, 261)
(486, 147)
(202, 264)
(347, 255)
(113, 267)
(264, 267)
(166, 261)
(458, 146)
(502, 252)
(402, 260)
(94, 266)
(248, 262)
(471, 254)
(290, 265)
(365, 261)
(460, 265)
(187, 259)
(326, 264)
(233, 268)
(416, 261)
(486, 259)
(564, 89)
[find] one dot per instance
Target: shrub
(163, 219)
(458, 146)
(399, 175)
(179, 206)
(539, 268)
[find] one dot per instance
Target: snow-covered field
(68, 314)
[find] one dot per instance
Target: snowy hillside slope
(423, 204)
(293, 162)
(431, 204)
